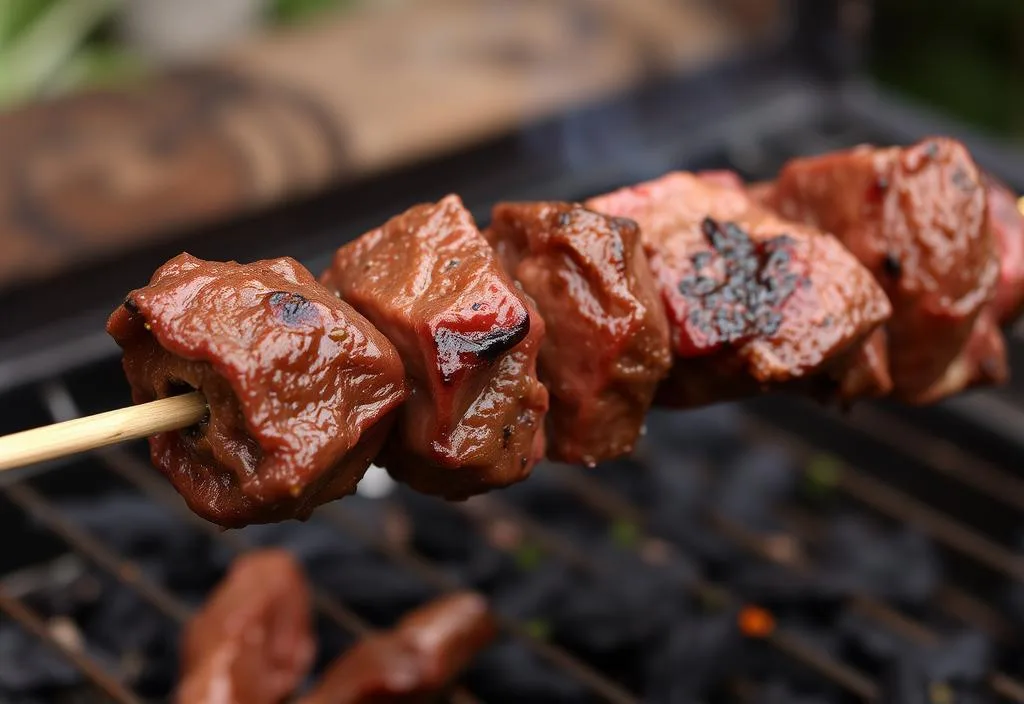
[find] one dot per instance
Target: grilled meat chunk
(469, 339)
(1007, 225)
(413, 662)
(607, 353)
(865, 372)
(300, 386)
(753, 301)
(252, 643)
(917, 218)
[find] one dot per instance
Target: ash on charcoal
(753, 486)
(119, 623)
(898, 565)
(28, 665)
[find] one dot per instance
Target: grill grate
(966, 497)
(491, 513)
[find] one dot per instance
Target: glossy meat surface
(865, 371)
(607, 347)
(1007, 224)
(413, 662)
(252, 643)
(753, 301)
(300, 386)
(469, 339)
(917, 218)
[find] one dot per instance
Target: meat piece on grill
(252, 643)
(753, 301)
(865, 373)
(469, 339)
(1007, 224)
(300, 386)
(607, 347)
(917, 218)
(413, 662)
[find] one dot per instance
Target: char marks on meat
(753, 301)
(469, 339)
(607, 353)
(300, 386)
(413, 662)
(252, 643)
(917, 218)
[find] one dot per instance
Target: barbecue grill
(770, 551)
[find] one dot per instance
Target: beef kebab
(555, 329)
(252, 643)
(951, 265)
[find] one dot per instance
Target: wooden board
(288, 113)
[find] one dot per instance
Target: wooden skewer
(100, 430)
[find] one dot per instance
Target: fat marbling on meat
(469, 339)
(252, 642)
(754, 302)
(607, 346)
(917, 217)
(300, 386)
(413, 662)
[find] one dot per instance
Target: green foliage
(17, 15)
(292, 11)
(963, 57)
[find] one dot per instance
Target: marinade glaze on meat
(603, 359)
(252, 642)
(753, 301)
(300, 386)
(865, 374)
(414, 661)
(917, 217)
(469, 339)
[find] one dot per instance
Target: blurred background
(125, 121)
(965, 57)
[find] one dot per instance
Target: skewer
(92, 432)
(113, 427)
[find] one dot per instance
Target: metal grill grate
(491, 512)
